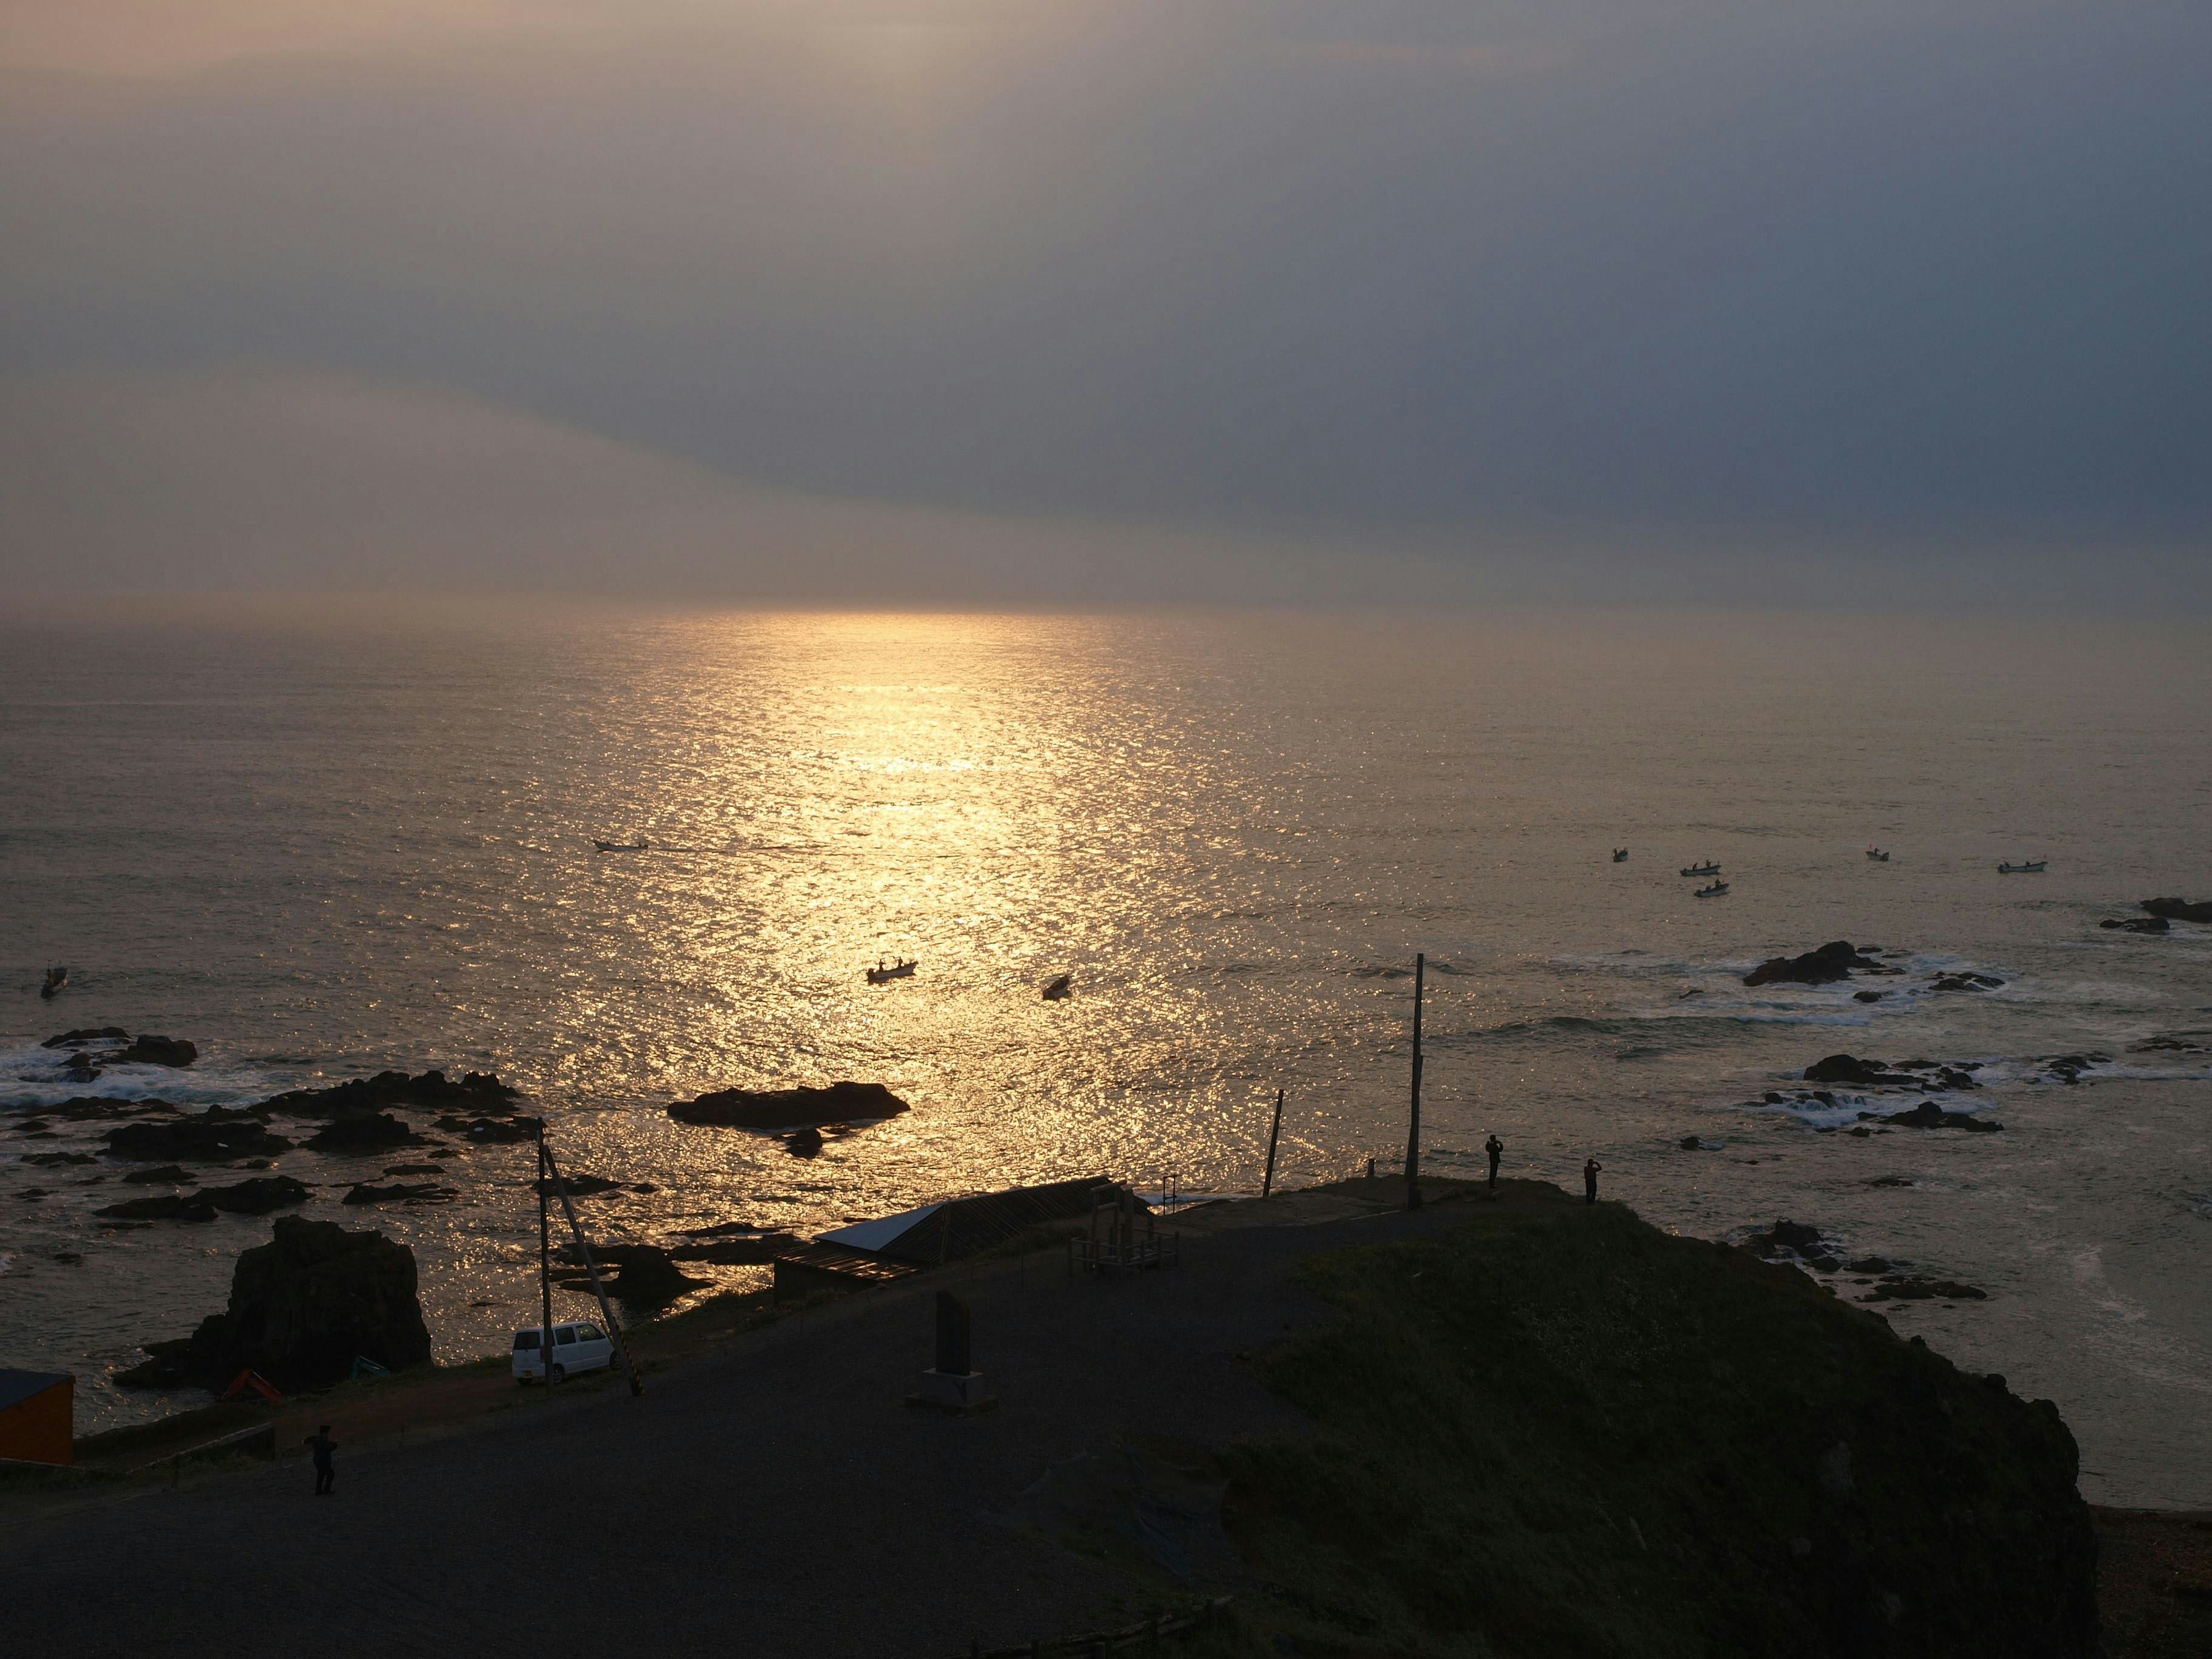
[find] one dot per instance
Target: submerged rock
(487, 1131)
(302, 1308)
(1903, 1288)
(85, 1108)
(427, 1192)
(257, 1196)
(790, 1108)
(1965, 981)
(2140, 924)
(86, 1034)
(173, 1207)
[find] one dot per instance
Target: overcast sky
(1047, 298)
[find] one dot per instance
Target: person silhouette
(1496, 1148)
(1590, 1169)
(320, 1443)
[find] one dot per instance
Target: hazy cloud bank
(1088, 301)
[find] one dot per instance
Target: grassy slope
(1559, 1431)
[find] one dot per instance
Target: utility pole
(1413, 1123)
(544, 1263)
(548, 1175)
(1267, 1184)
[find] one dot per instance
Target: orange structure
(37, 1416)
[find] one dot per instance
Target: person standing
(1496, 1148)
(320, 1443)
(1590, 1169)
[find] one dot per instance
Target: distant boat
(1058, 991)
(1713, 892)
(903, 969)
(1708, 868)
(623, 846)
(56, 978)
(2035, 868)
(1621, 855)
(1877, 856)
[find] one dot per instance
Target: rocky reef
(1836, 960)
(2178, 910)
(302, 1308)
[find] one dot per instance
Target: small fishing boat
(1621, 855)
(2032, 868)
(1877, 856)
(1713, 892)
(623, 846)
(1708, 868)
(1059, 990)
(903, 969)
(56, 978)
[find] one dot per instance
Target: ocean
(320, 840)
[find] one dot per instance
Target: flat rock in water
(486, 1131)
(1902, 1288)
(173, 1207)
(480, 1092)
(83, 1108)
(427, 1192)
(2140, 924)
(578, 1186)
(362, 1131)
(790, 1108)
(1929, 1115)
(213, 1135)
(166, 1172)
(258, 1196)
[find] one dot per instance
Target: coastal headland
(1507, 1423)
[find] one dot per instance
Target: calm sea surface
(323, 844)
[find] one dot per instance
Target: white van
(575, 1348)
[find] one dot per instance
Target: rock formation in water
(213, 1135)
(2139, 925)
(1834, 961)
(480, 1093)
(790, 1108)
(1929, 1115)
(303, 1307)
(362, 1131)
(2179, 909)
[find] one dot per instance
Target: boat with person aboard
(1708, 868)
(903, 969)
(1877, 856)
(2034, 867)
(1714, 891)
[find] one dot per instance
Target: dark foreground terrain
(1518, 1426)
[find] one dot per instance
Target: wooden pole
(1268, 1183)
(1414, 1121)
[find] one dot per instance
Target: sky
(1048, 301)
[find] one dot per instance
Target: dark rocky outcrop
(1868, 996)
(85, 1034)
(88, 1107)
(303, 1307)
(478, 1093)
(51, 1160)
(644, 1275)
(1786, 1239)
(2140, 924)
(168, 1172)
(212, 1134)
(427, 1192)
(1927, 1075)
(362, 1131)
(2067, 1068)
(578, 1186)
(159, 1051)
(1929, 1115)
(1965, 981)
(1825, 966)
(790, 1108)
(173, 1207)
(2179, 909)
